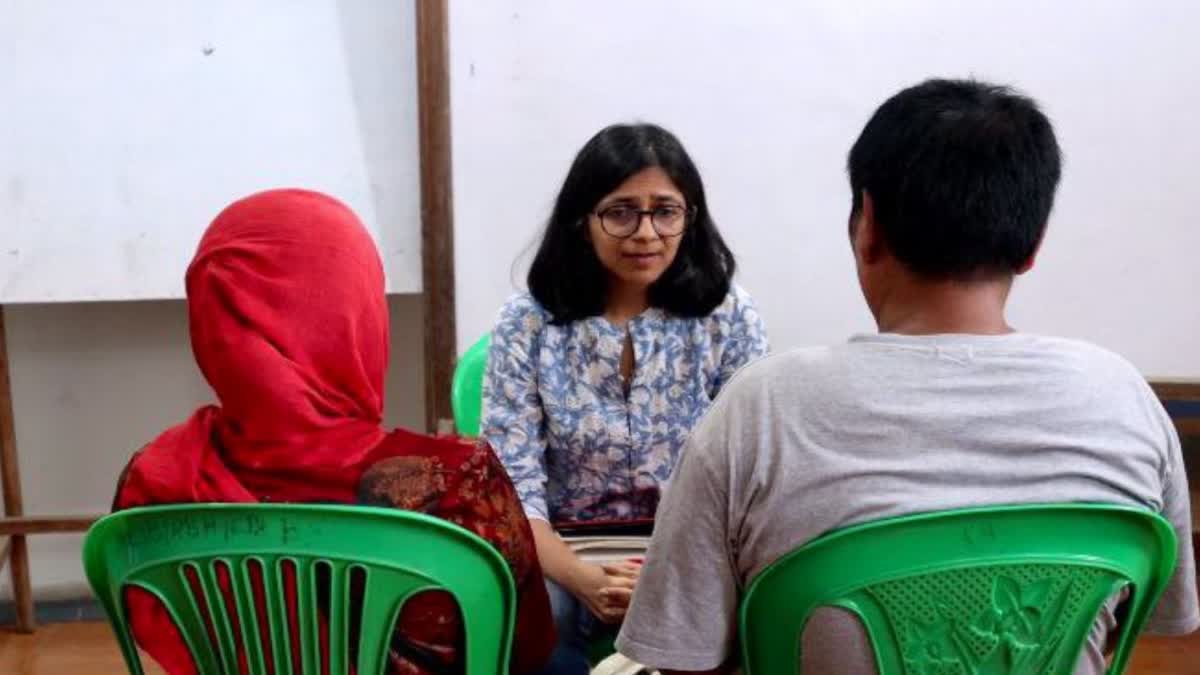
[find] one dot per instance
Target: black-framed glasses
(622, 220)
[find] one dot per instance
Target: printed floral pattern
(467, 486)
(556, 410)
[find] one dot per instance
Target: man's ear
(1027, 265)
(1032, 259)
(864, 232)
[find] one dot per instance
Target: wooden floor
(89, 649)
(65, 649)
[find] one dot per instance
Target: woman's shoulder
(737, 307)
(523, 305)
(521, 315)
(736, 321)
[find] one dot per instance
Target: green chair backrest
(390, 554)
(466, 390)
(996, 590)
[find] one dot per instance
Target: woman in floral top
(630, 328)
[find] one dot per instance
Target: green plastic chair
(976, 591)
(466, 389)
(393, 554)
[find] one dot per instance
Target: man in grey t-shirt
(947, 407)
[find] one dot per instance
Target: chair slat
(339, 618)
(277, 616)
(219, 616)
(252, 633)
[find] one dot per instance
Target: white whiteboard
(126, 125)
(769, 96)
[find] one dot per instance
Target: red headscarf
(289, 325)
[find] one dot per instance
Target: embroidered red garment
(289, 325)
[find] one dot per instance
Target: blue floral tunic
(555, 407)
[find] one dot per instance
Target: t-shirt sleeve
(684, 612)
(1178, 612)
(512, 419)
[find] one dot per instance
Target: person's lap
(576, 627)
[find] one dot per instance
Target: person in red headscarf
(289, 324)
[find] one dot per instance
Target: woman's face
(636, 228)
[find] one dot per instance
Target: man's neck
(939, 308)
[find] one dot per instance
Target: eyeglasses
(622, 221)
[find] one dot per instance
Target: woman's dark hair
(567, 278)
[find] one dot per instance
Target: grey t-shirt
(811, 440)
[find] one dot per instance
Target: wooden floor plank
(65, 648)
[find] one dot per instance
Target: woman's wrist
(576, 577)
(559, 563)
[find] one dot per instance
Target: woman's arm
(605, 590)
(513, 423)
(747, 340)
(513, 420)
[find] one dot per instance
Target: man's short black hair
(962, 175)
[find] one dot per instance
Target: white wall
(769, 97)
(92, 383)
(127, 124)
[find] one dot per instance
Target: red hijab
(289, 325)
